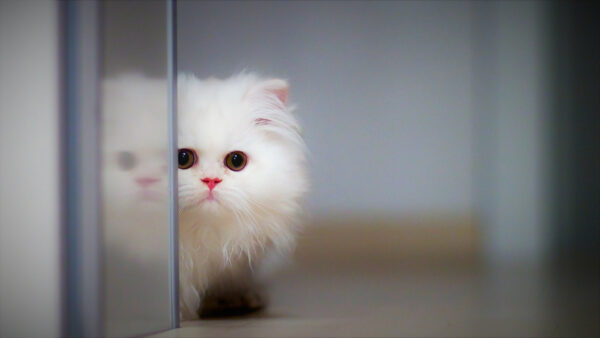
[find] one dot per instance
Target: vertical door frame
(173, 150)
(81, 158)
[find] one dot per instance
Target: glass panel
(135, 164)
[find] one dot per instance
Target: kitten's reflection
(135, 167)
(135, 195)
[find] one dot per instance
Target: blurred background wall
(511, 111)
(421, 108)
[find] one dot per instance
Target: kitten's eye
(186, 158)
(236, 160)
(126, 160)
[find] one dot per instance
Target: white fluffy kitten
(242, 175)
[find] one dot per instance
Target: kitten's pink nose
(211, 182)
(146, 181)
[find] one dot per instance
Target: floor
(337, 290)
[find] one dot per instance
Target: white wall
(29, 170)
(383, 90)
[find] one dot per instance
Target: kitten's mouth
(211, 198)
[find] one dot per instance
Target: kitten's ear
(277, 87)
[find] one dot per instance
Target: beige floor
(352, 284)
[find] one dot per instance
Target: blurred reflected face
(135, 157)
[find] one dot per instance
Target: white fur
(256, 209)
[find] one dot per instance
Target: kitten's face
(248, 158)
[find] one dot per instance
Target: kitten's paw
(232, 304)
